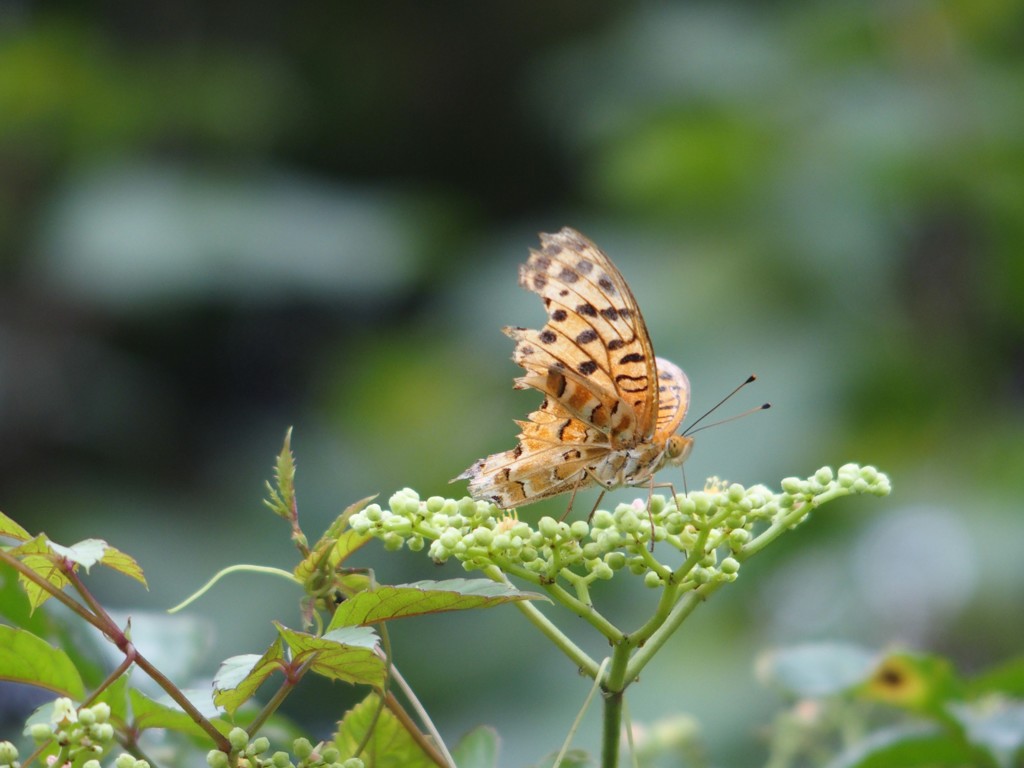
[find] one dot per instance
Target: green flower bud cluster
(713, 529)
(79, 733)
(126, 761)
(251, 754)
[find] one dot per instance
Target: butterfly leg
(572, 496)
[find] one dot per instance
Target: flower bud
(548, 527)
(615, 560)
(302, 748)
(652, 580)
(281, 760)
(91, 764)
(579, 529)
(824, 475)
(8, 753)
(260, 745)
(330, 754)
(214, 758)
(40, 732)
(792, 485)
(730, 565)
(238, 738)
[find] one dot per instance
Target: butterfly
(611, 408)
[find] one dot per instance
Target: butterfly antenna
(764, 407)
(752, 378)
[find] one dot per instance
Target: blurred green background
(218, 220)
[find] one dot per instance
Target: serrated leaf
(335, 546)
(403, 600)
(12, 530)
(165, 713)
(25, 658)
(390, 746)
(478, 749)
(239, 677)
(123, 563)
(37, 556)
(347, 654)
(282, 492)
(85, 553)
(816, 670)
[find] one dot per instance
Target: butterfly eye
(679, 448)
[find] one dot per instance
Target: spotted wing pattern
(609, 405)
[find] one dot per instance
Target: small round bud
(637, 565)
(238, 738)
(700, 575)
(353, 762)
(652, 580)
(101, 711)
(860, 485)
(40, 732)
(281, 760)
(302, 748)
(579, 529)
(214, 758)
(701, 502)
(736, 492)
(415, 543)
(615, 560)
(330, 754)
(602, 519)
(86, 717)
(709, 559)
(8, 753)
(824, 475)
(792, 485)
(373, 513)
(548, 527)
(730, 565)
(260, 745)
(435, 503)
(738, 537)
(91, 764)
(483, 536)
(392, 542)
(528, 555)
(601, 570)
(102, 732)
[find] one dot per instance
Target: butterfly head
(678, 448)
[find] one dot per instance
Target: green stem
(616, 681)
(678, 614)
(576, 654)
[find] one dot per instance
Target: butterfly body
(610, 409)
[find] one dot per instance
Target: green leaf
(38, 557)
(335, 546)
(12, 530)
(390, 746)
(817, 670)
(25, 658)
(478, 748)
(165, 713)
(239, 677)
(1006, 678)
(117, 560)
(402, 600)
(994, 723)
(282, 493)
(909, 746)
(348, 654)
(917, 682)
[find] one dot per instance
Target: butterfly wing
(594, 355)
(552, 457)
